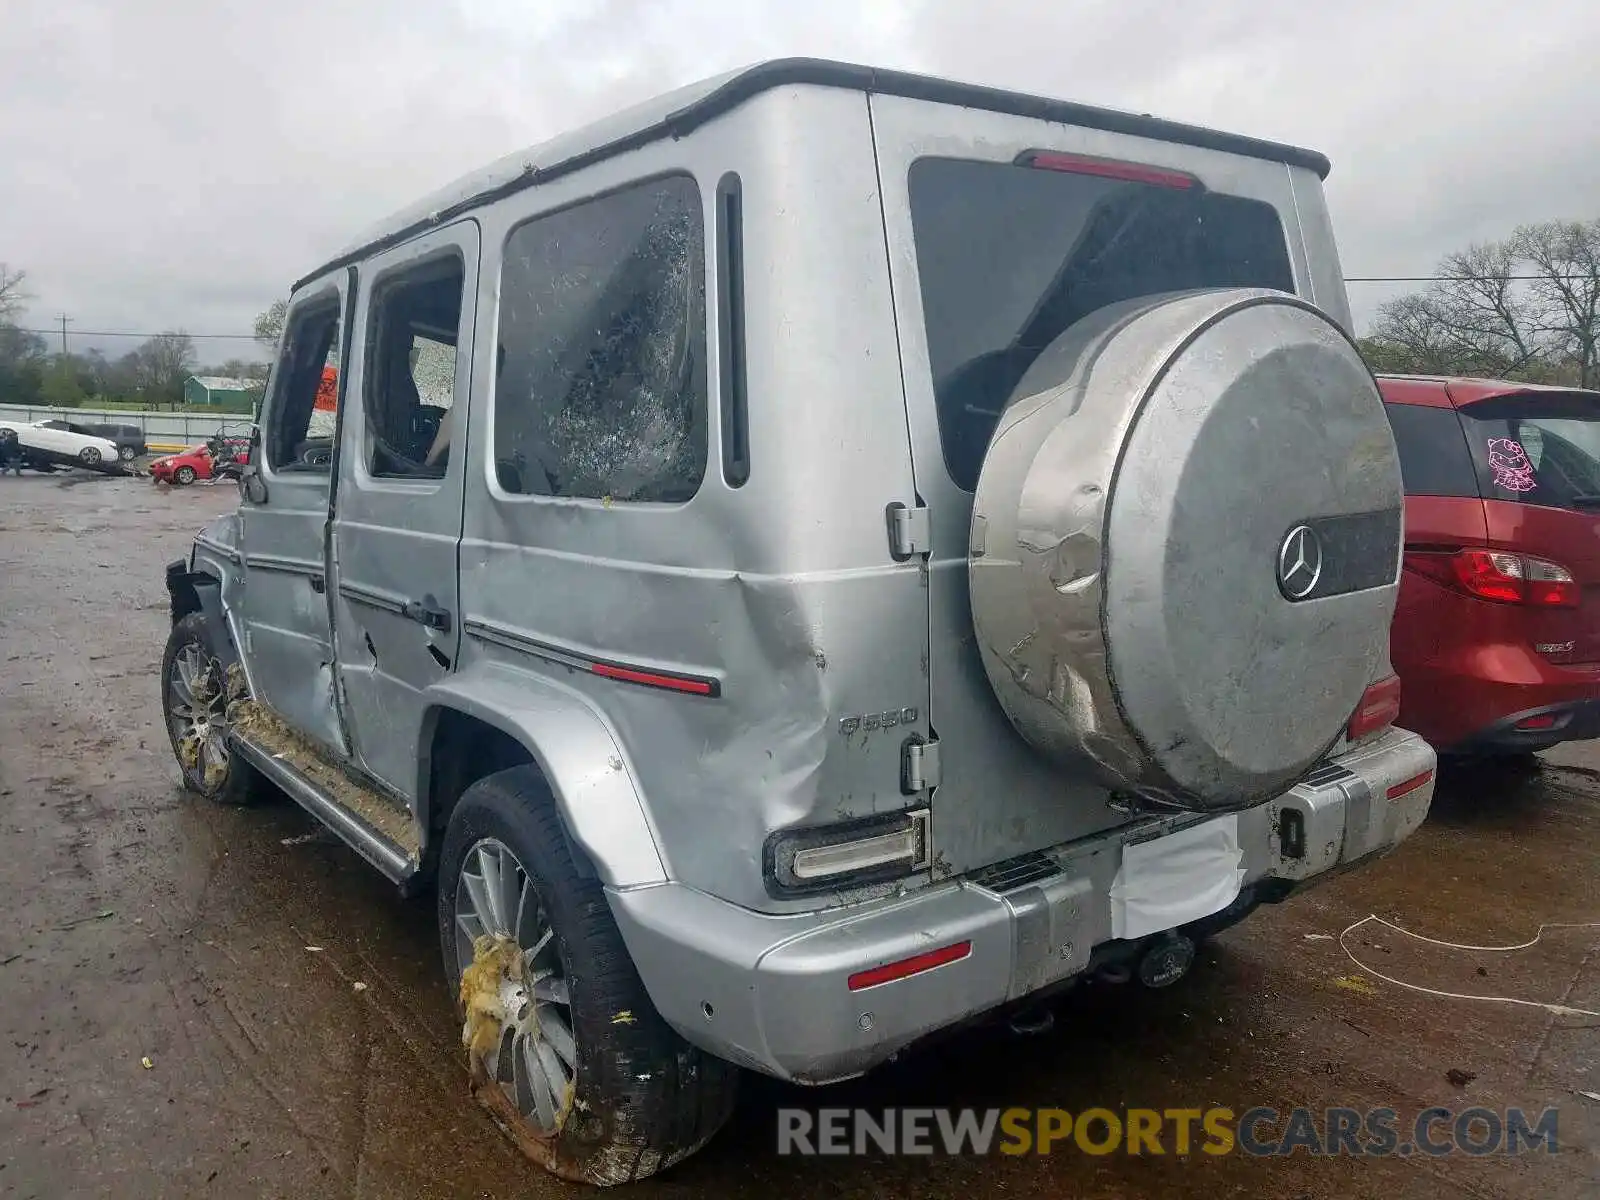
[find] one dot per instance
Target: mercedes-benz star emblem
(1299, 562)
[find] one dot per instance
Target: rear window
(1434, 458)
(1537, 448)
(1010, 256)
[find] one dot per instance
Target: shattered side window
(300, 415)
(601, 391)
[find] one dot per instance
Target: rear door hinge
(910, 531)
(920, 767)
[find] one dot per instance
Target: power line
(1460, 279)
(227, 337)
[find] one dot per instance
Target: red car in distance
(197, 462)
(1496, 633)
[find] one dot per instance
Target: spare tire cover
(1185, 545)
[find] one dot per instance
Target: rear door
(397, 522)
(1004, 230)
(283, 606)
(1538, 460)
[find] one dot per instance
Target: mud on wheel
(196, 692)
(564, 1048)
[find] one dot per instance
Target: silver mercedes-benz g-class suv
(815, 559)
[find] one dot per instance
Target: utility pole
(63, 318)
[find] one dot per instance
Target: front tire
(565, 1049)
(90, 456)
(183, 475)
(194, 699)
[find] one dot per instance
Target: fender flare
(575, 748)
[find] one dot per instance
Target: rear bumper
(771, 992)
(1537, 728)
(1469, 699)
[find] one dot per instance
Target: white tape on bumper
(1176, 879)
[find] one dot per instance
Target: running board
(396, 859)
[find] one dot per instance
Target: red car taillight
(1379, 709)
(1501, 576)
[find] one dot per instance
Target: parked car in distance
(830, 556)
(56, 443)
(1497, 631)
(129, 439)
(199, 462)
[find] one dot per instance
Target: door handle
(427, 612)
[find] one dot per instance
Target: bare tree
(1565, 291)
(269, 325)
(161, 365)
(1524, 308)
(1475, 320)
(11, 292)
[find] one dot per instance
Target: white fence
(162, 430)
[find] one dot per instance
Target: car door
(397, 521)
(284, 611)
(53, 436)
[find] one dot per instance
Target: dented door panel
(395, 538)
(782, 592)
(282, 603)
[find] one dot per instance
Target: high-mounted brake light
(1379, 709)
(1501, 576)
(1110, 168)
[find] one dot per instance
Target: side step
(373, 825)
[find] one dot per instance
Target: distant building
(221, 392)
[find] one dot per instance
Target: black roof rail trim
(787, 72)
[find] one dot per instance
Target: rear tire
(640, 1097)
(194, 701)
(126, 454)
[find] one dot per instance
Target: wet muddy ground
(197, 1001)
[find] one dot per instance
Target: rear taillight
(1501, 576)
(1379, 709)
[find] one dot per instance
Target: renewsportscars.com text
(1258, 1132)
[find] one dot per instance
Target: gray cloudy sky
(178, 162)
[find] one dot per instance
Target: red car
(1497, 630)
(196, 462)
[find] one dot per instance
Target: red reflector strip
(673, 683)
(1379, 708)
(909, 966)
(1410, 785)
(1542, 721)
(1107, 168)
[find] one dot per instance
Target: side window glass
(410, 378)
(601, 391)
(1434, 458)
(300, 416)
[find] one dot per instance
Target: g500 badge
(867, 722)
